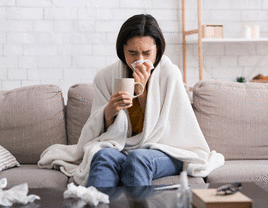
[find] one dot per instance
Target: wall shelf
(200, 41)
(228, 40)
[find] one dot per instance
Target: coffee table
(140, 197)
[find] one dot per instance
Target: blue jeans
(110, 167)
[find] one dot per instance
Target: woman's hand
(141, 74)
(118, 101)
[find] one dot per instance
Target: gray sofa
(230, 115)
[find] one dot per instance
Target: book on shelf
(209, 198)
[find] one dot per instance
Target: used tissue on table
(16, 194)
(89, 195)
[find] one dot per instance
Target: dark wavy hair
(139, 26)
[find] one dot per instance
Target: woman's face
(140, 48)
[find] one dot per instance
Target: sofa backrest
(233, 117)
(79, 103)
(31, 119)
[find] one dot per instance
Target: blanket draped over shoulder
(169, 125)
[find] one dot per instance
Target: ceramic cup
(255, 31)
(127, 84)
(246, 32)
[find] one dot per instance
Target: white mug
(127, 84)
(255, 31)
(246, 32)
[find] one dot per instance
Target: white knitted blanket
(169, 125)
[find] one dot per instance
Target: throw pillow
(7, 160)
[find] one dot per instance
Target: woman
(132, 143)
(140, 38)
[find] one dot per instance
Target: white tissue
(16, 194)
(142, 61)
(89, 195)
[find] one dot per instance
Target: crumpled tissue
(142, 61)
(89, 195)
(16, 194)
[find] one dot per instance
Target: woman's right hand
(118, 101)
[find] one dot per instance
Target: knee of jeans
(136, 170)
(103, 154)
(136, 156)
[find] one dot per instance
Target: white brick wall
(65, 42)
(33, 3)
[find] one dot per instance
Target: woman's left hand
(141, 74)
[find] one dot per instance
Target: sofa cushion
(7, 160)
(35, 177)
(31, 119)
(169, 180)
(233, 117)
(241, 171)
(172, 180)
(80, 99)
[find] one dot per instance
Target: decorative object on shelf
(255, 32)
(249, 32)
(246, 32)
(212, 31)
(241, 79)
(260, 79)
